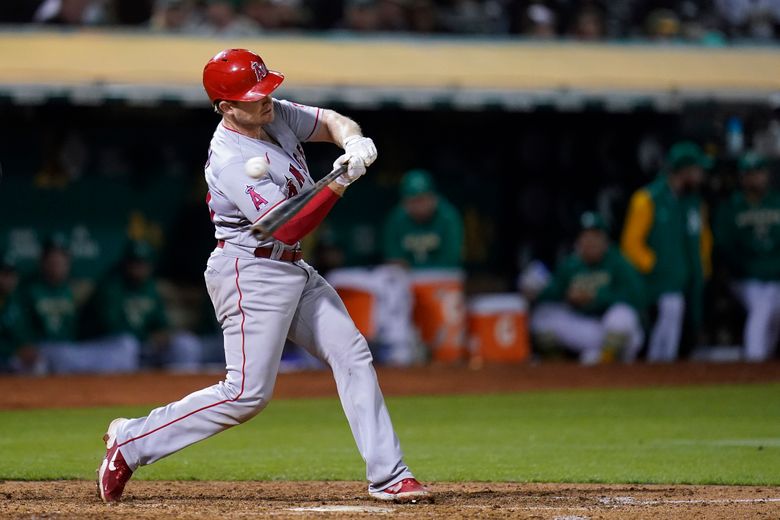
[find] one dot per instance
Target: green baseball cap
(592, 220)
(416, 182)
(752, 161)
(687, 153)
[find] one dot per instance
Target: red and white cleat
(113, 473)
(405, 490)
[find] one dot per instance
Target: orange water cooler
(356, 290)
(439, 312)
(498, 328)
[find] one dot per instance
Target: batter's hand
(359, 146)
(356, 168)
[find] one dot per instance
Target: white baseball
(257, 167)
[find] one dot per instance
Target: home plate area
(153, 499)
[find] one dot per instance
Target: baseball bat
(276, 218)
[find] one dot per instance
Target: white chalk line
(341, 509)
(631, 501)
(769, 442)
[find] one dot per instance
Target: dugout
(522, 137)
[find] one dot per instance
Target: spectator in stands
(132, 12)
(70, 12)
(361, 15)
(129, 303)
(51, 308)
(424, 230)
(424, 17)
(223, 19)
(392, 15)
(748, 241)
(275, 14)
(17, 353)
(589, 24)
(593, 303)
(175, 16)
(663, 25)
(475, 17)
(540, 21)
(755, 19)
(667, 238)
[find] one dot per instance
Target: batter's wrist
(337, 188)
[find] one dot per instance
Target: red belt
(288, 255)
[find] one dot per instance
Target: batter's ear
(221, 106)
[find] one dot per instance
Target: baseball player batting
(262, 291)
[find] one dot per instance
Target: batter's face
(592, 245)
(248, 114)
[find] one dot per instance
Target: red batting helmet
(239, 75)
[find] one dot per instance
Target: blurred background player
(424, 234)
(128, 305)
(424, 230)
(667, 238)
(423, 237)
(51, 306)
(594, 301)
(17, 354)
(747, 237)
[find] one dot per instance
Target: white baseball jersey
(237, 200)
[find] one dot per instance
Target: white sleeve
(303, 120)
(253, 197)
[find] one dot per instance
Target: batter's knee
(243, 404)
(354, 354)
(247, 407)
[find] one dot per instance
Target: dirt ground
(151, 388)
(77, 499)
(348, 500)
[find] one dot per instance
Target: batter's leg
(323, 326)
(255, 301)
